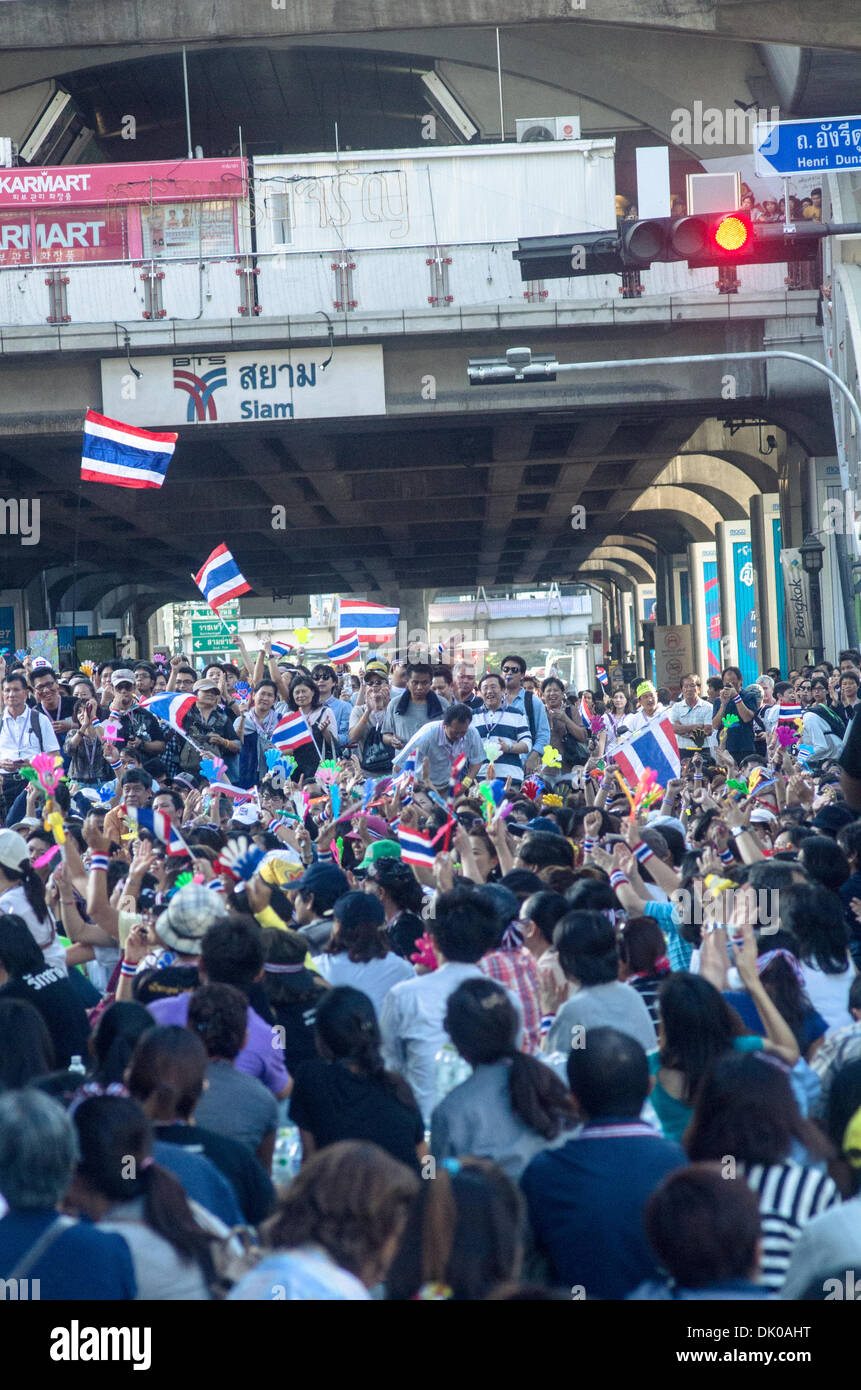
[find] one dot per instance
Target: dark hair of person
(703, 1229)
(545, 909)
(825, 861)
(844, 1101)
(361, 940)
(592, 895)
(34, 888)
(208, 837)
(115, 1039)
(513, 657)
(782, 986)
(544, 849)
(267, 684)
(610, 1076)
(698, 1027)
(324, 672)
(19, 954)
(298, 680)
(586, 943)
(641, 944)
(218, 1014)
(419, 668)
(463, 1231)
(175, 797)
(231, 953)
(482, 1023)
(26, 1050)
(351, 1198)
(522, 883)
(167, 1069)
(815, 917)
(745, 1107)
(403, 888)
(347, 1031)
(463, 925)
(285, 947)
(112, 1129)
(457, 714)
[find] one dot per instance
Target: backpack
(36, 727)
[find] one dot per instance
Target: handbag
(377, 757)
(573, 751)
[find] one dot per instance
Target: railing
(295, 283)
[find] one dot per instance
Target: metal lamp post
(812, 553)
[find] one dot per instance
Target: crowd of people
(436, 1005)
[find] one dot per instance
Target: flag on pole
(219, 578)
(159, 825)
(291, 732)
(585, 713)
(123, 454)
(372, 622)
(345, 649)
(416, 848)
(281, 648)
(602, 675)
(237, 794)
(171, 709)
(656, 748)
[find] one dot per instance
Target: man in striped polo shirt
(507, 727)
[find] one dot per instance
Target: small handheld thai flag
(345, 649)
(281, 648)
(416, 848)
(171, 709)
(159, 824)
(789, 713)
(602, 675)
(655, 748)
(219, 578)
(291, 732)
(585, 713)
(237, 794)
(372, 622)
(123, 454)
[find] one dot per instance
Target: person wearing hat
(140, 731)
(315, 895)
(212, 729)
(648, 708)
(359, 952)
(171, 966)
(22, 892)
(366, 722)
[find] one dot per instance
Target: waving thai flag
(372, 622)
(123, 454)
(281, 648)
(345, 649)
(789, 713)
(159, 824)
(416, 848)
(171, 709)
(291, 732)
(602, 675)
(655, 748)
(220, 579)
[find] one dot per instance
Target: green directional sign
(212, 629)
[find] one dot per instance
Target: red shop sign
(159, 181)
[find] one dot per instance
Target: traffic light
(700, 239)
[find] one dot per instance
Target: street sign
(210, 644)
(212, 629)
(807, 147)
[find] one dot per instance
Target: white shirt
(638, 720)
(698, 714)
(373, 977)
(14, 900)
(829, 994)
(18, 741)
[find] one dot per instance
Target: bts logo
(200, 385)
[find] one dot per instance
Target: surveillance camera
(518, 356)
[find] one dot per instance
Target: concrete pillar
(413, 635)
(765, 540)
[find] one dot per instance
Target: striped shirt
(511, 725)
(790, 1195)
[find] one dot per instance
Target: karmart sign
(234, 387)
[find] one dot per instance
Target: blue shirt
(82, 1263)
(739, 737)
(201, 1180)
(342, 711)
(586, 1201)
(539, 713)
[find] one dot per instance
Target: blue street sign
(808, 147)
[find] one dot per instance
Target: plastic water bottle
(449, 1070)
(77, 1066)
(287, 1155)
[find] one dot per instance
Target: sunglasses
(511, 670)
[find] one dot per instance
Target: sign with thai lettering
(159, 181)
(801, 147)
(286, 384)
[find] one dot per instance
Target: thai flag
(416, 848)
(654, 748)
(171, 709)
(123, 454)
(159, 824)
(372, 622)
(291, 732)
(585, 713)
(345, 649)
(602, 675)
(789, 713)
(281, 648)
(219, 579)
(237, 794)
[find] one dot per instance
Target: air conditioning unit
(47, 139)
(542, 128)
